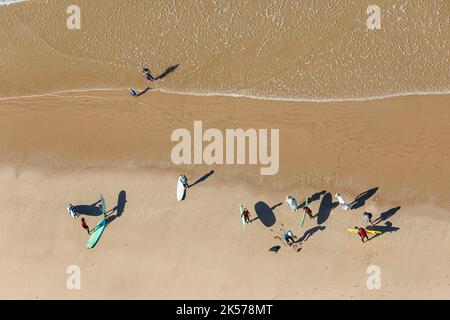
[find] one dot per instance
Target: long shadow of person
(325, 208)
(309, 233)
(316, 196)
(88, 209)
(265, 213)
(143, 91)
(361, 199)
(383, 229)
(167, 72)
(386, 215)
(203, 178)
(118, 209)
(121, 200)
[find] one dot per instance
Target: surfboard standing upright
(97, 232)
(241, 208)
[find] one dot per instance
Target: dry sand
(70, 147)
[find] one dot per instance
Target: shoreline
(237, 95)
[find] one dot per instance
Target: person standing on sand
(363, 234)
(342, 201)
(292, 202)
(246, 215)
(71, 208)
(309, 212)
(85, 226)
(367, 216)
(184, 181)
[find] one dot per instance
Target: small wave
(235, 95)
(7, 2)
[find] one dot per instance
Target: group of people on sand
(147, 74)
(72, 209)
(367, 217)
(288, 236)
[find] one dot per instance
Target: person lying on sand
(292, 202)
(85, 226)
(342, 201)
(288, 237)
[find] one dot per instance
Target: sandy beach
(70, 147)
(363, 114)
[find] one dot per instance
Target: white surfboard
(181, 190)
(70, 211)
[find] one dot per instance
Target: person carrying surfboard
(308, 212)
(85, 226)
(342, 201)
(246, 214)
(367, 216)
(363, 234)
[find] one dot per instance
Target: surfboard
(103, 203)
(372, 232)
(70, 211)
(181, 190)
(96, 234)
(241, 208)
(304, 213)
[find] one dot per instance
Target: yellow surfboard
(373, 232)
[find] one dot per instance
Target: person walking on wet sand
(147, 74)
(363, 234)
(85, 226)
(133, 93)
(367, 216)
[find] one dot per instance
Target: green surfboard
(304, 213)
(96, 234)
(103, 203)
